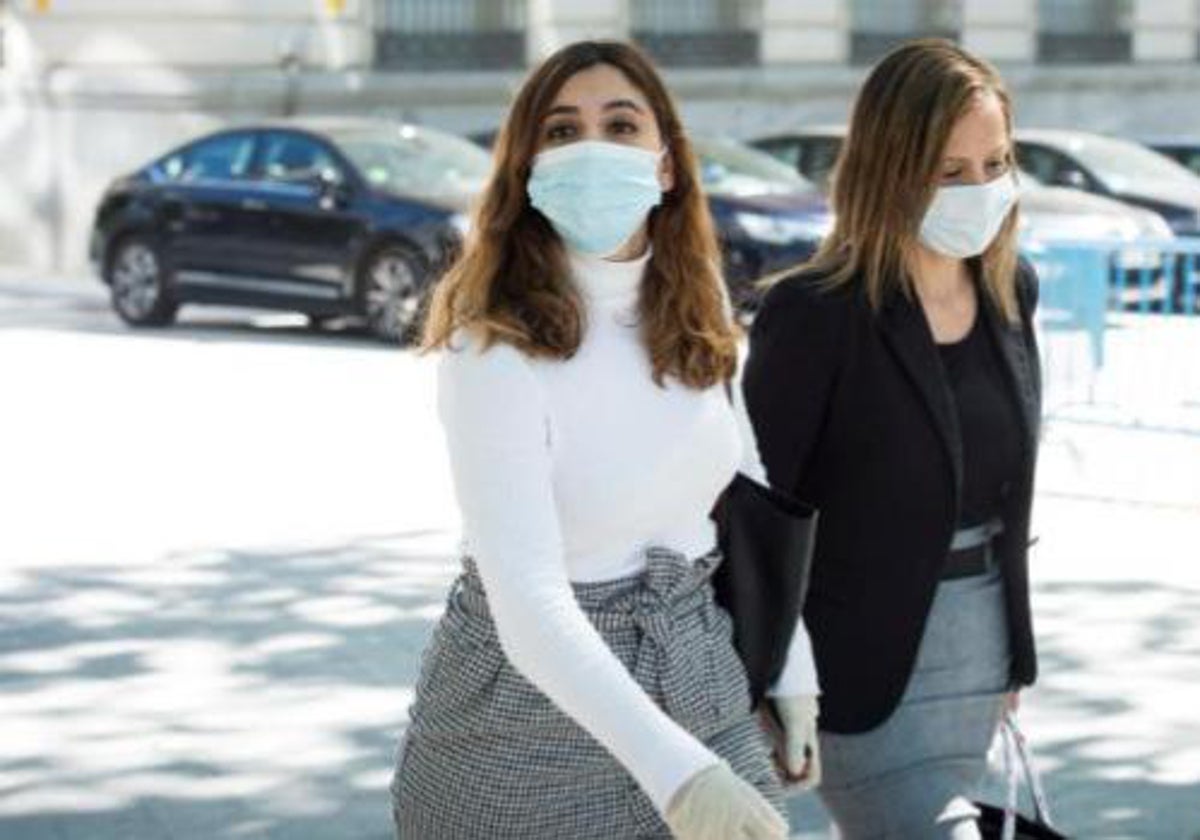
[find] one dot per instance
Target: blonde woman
(893, 382)
(582, 683)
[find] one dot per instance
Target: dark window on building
(432, 35)
(879, 26)
(1071, 31)
(698, 33)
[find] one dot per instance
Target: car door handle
(253, 204)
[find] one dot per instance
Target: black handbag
(991, 826)
(766, 539)
(996, 823)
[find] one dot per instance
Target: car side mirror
(331, 190)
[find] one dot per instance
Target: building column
(805, 32)
(1164, 30)
(1001, 31)
(355, 20)
(555, 23)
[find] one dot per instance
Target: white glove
(718, 804)
(801, 747)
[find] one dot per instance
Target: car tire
(139, 283)
(393, 290)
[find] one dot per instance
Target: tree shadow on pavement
(1113, 719)
(259, 694)
(215, 694)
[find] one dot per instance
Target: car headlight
(783, 230)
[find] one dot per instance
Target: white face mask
(962, 221)
(596, 194)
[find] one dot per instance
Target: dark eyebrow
(609, 106)
(624, 103)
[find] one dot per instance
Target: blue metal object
(1075, 293)
(1119, 323)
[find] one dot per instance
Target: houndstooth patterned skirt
(487, 756)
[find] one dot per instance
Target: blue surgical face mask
(963, 220)
(595, 194)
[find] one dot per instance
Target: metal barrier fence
(1120, 331)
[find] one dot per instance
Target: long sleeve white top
(565, 471)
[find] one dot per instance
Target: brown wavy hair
(511, 282)
(886, 173)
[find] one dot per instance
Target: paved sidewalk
(200, 641)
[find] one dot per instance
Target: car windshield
(728, 167)
(418, 162)
(1117, 160)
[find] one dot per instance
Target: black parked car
(768, 217)
(329, 218)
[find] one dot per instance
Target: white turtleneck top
(565, 471)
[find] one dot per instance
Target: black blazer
(853, 414)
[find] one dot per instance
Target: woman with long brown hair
(893, 383)
(582, 682)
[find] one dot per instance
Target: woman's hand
(793, 731)
(717, 804)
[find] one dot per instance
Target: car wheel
(137, 280)
(392, 293)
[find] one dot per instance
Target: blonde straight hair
(887, 172)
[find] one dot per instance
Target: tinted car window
(1041, 163)
(731, 168)
(787, 151)
(418, 162)
(819, 159)
(219, 158)
(1189, 158)
(296, 157)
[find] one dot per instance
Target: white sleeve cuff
(799, 675)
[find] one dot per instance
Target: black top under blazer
(853, 414)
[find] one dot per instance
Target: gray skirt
(488, 756)
(912, 777)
